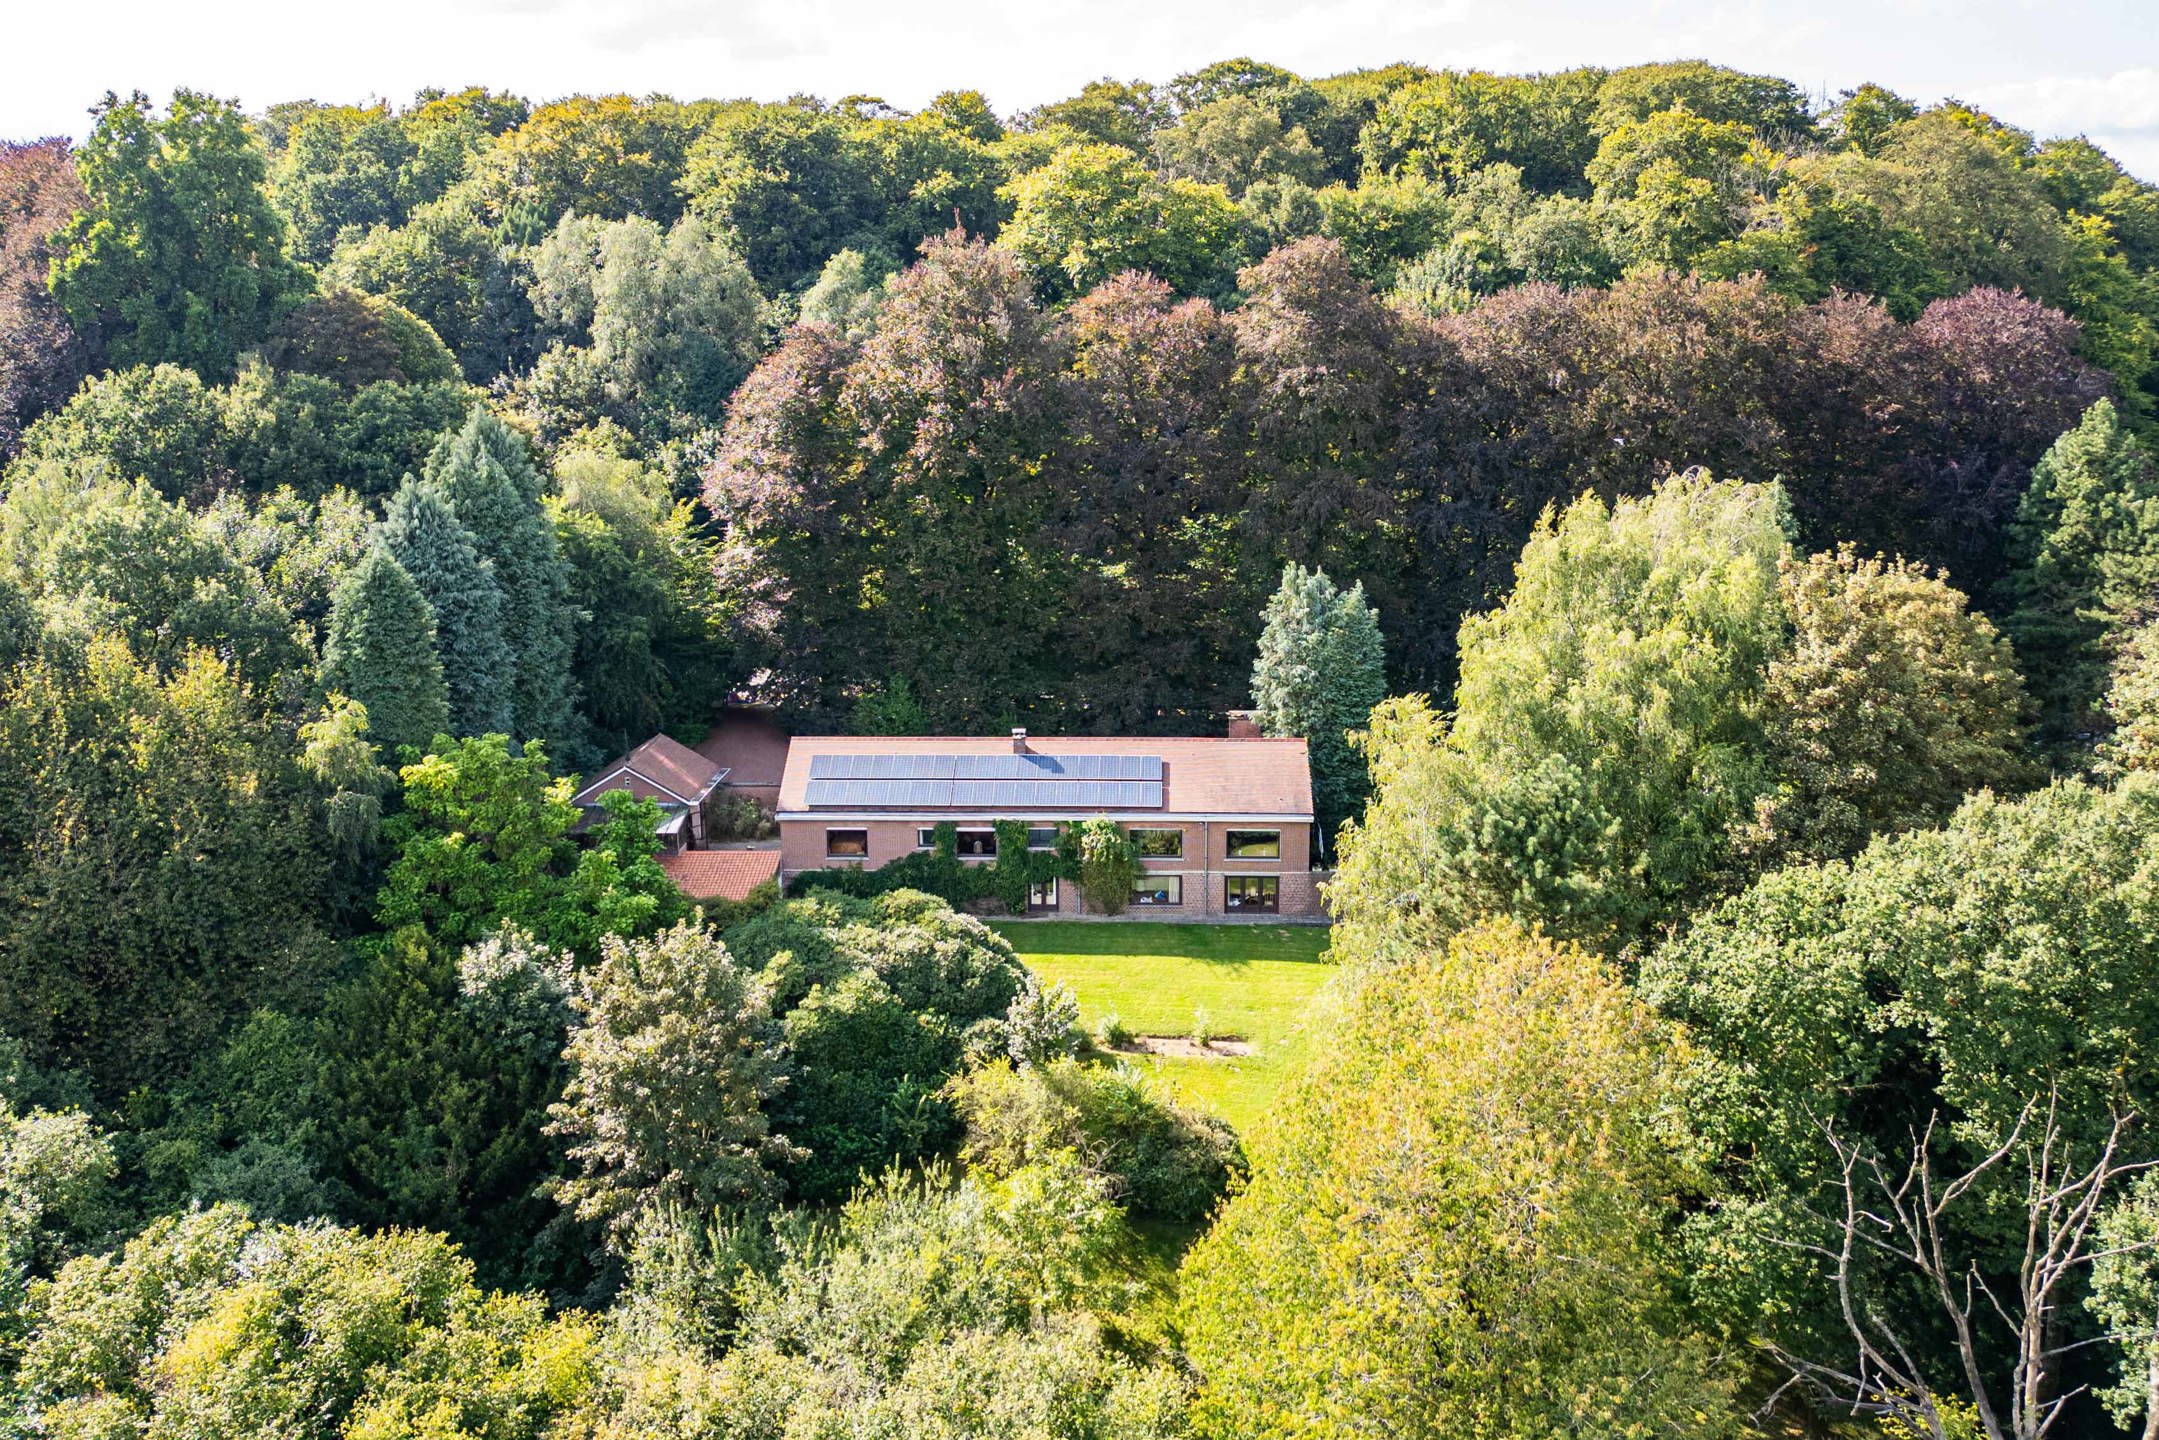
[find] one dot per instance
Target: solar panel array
(981, 782)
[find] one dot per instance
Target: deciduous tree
(670, 1070)
(41, 357)
(1378, 1274)
(177, 255)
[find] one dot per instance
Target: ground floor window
(1158, 890)
(1252, 892)
(847, 844)
(1042, 894)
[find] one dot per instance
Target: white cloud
(2118, 112)
(2124, 103)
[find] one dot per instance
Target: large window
(847, 844)
(977, 842)
(1042, 837)
(1042, 894)
(1158, 890)
(1159, 844)
(1252, 892)
(1253, 844)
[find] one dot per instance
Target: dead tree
(1901, 1216)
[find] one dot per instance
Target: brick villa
(1223, 824)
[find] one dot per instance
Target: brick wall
(1204, 866)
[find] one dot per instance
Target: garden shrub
(1161, 1159)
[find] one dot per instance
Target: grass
(1254, 981)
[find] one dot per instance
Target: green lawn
(1255, 982)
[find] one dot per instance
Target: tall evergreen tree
(2085, 555)
(494, 489)
(380, 651)
(1321, 669)
(423, 534)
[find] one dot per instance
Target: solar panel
(985, 782)
(986, 767)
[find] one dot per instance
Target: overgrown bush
(1161, 1159)
(1043, 1024)
(738, 817)
(1108, 866)
(876, 998)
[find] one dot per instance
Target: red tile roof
(720, 874)
(1201, 775)
(669, 769)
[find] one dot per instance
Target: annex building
(1223, 824)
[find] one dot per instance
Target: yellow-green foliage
(208, 1325)
(1607, 731)
(1455, 1223)
(1892, 702)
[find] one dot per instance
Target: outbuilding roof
(720, 874)
(1198, 776)
(661, 769)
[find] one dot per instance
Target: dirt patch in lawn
(1184, 1047)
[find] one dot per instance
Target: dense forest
(1708, 538)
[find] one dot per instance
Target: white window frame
(1138, 830)
(1175, 884)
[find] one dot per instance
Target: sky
(2069, 67)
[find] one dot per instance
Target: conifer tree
(2085, 552)
(380, 651)
(441, 556)
(1321, 669)
(494, 490)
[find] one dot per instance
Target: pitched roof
(1201, 775)
(668, 770)
(720, 874)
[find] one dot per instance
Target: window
(978, 842)
(1042, 894)
(1158, 890)
(1159, 844)
(926, 838)
(1252, 892)
(847, 844)
(1253, 844)
(1042, 837)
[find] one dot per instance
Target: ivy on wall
(939, 870)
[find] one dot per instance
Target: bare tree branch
(1904, 1217)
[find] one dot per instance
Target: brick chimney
(1243, 725)
(1019, 740)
